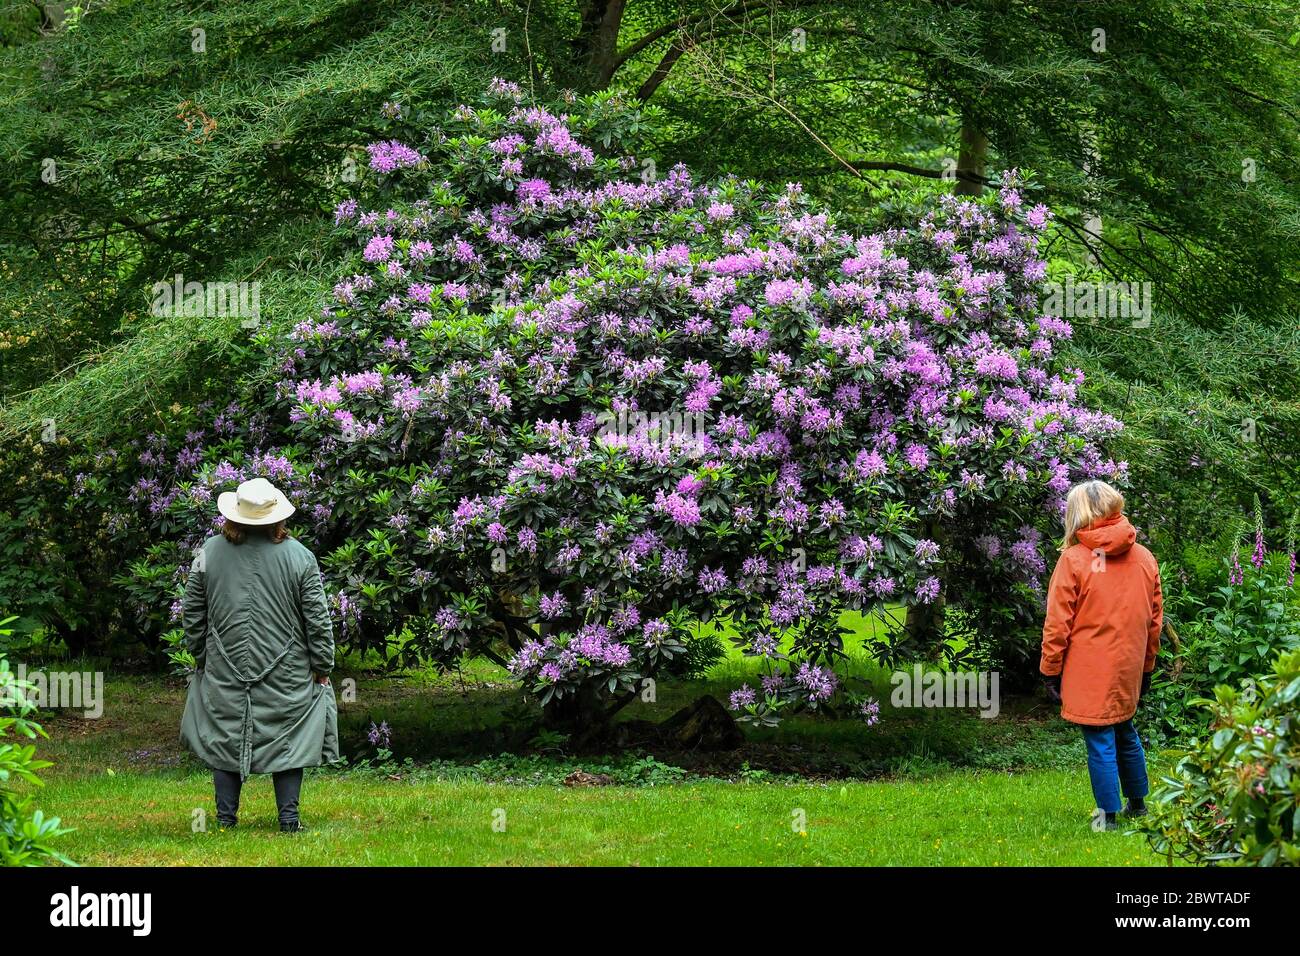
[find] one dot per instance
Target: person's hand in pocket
(322, 679)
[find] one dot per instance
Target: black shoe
(295, 827)
(226, 824)
(1135, 809)
(1103, 822)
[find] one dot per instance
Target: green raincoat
(258, 626)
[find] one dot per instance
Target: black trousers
(288, 786)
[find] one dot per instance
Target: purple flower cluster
(389, 156)
(793, 405)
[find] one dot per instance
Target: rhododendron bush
(561, 411)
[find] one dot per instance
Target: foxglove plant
(558, 414)
(1291, 528)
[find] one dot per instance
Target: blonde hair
(1086, 503)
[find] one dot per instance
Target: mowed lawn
(953, 819)
(921, 788)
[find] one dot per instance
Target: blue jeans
(1115, 760)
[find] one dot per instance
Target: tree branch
(660, 73)
(891, 166)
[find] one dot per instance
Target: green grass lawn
(960, 818)
(132, 796)
(467, 784)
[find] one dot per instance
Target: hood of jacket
(1113, 535)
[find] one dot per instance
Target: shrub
(56, 555)
(1245, 621)
(1234, 795)
(1249, 622)
(560, 414)
(26, 834)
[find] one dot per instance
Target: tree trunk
(596, 46)
(971, 158)
(581, 713)
(925, 622)
(78, 641)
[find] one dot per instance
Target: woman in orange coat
(1100, 640)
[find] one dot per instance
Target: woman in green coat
(258, 626)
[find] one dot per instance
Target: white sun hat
(255, 502)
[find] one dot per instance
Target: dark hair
(237, 533)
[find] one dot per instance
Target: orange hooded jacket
(1104, 612)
